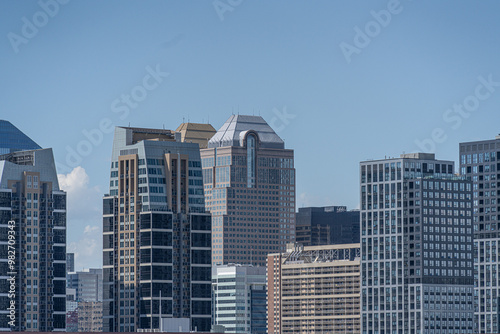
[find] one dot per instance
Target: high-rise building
(196, 133)
(249, 180)
(480, 160)
(156, 234)
(239, 298)
(416, 246)
(87, 283)
(70, 262)
(32, 238)
(314, 289)
(327, 225)
(12, 139)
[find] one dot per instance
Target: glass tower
(12, 139)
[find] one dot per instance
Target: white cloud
(88, 248)
(83, 202)
(84, 220)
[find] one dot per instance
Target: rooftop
(233, 132)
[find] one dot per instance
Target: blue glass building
(12, 139)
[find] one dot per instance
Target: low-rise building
(314, 289)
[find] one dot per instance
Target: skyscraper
(12, 139)
(156, 234)
(329, 225)
(249, 180)
(416, 247)
(480, 160)
(32, 238)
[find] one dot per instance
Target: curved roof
(230, 134)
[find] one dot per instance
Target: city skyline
(312, 72)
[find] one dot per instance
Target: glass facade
(416, 247)
(479, 160)
(12, 139)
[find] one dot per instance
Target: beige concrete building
(90, 316)
(314, 289)
(196, 133)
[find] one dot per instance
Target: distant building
(314, 289)
(480, 160)
(156, 233)
(72, 321)
(87, 283)
(249, 180)
(70, 262)
(34, 207)
(327, 225)
(416, 246)
(89, 316)
(196, 133)
(239, 298)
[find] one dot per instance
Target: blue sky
(66, 70)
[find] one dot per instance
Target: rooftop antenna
(183, 120)
(208, 122)
(129, 124)
(188, 118)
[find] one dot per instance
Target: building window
(251, 143)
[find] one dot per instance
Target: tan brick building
(314, 289)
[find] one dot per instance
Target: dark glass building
(329, 225)
(12, 139)
(156, 234)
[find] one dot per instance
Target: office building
(239, 298)
(70, 262)
(314, 289)
(249, 180)
(196, 133)
(480, 160)
(87, 283)
(416, 246)
(329, 225)
(156, 234)
(89, 316)
(33, 221)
